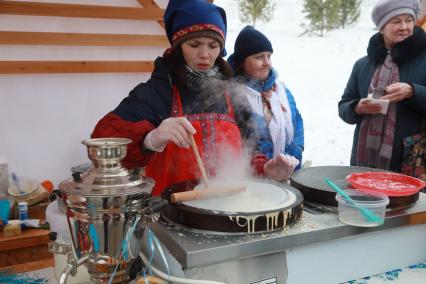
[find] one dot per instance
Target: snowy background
(316, 70)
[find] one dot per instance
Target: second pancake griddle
(310, 181)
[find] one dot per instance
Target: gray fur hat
(384, 10)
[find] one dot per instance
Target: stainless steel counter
(197, 249)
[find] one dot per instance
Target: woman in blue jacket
(278, 125)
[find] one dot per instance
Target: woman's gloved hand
(172, 129)
(281, 167)
(257, 162)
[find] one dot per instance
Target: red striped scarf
(375, 140)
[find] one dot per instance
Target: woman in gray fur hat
(394, 71)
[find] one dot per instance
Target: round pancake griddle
(310, 181)
(227, 222)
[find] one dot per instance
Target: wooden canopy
(149, 10)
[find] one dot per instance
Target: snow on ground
(316, 69)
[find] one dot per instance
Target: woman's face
(258, 65)
(397, 29)
(200, 53)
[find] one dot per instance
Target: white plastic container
(29, 191)
(349, 214)
(58, 223)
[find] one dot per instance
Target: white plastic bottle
(4, 178)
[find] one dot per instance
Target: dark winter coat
(410, 56)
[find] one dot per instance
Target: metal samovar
(103, 205)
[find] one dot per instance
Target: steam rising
(228, 165)
(232, 168)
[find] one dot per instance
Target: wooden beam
(38, 67)
(77, 39)
(151, 4)
(81, 11)
(30, 266)
(29, 238)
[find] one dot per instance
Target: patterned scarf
(376, 135)
(266, 88)
(198, 80)
(259, 85)
(269, 99)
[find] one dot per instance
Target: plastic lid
(392, 184)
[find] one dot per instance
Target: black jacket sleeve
(350, 98)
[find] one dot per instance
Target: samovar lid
(107, 177)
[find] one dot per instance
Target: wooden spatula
(200, 164)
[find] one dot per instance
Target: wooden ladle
(200, 164)
(206, 192)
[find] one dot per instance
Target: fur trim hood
(403, 51)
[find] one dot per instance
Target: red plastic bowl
(392, 184)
